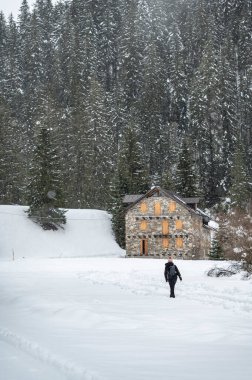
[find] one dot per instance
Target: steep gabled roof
(161, 192)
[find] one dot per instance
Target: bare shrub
(235, 237)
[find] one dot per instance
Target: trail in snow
(90, 319)
(68, 369)
(231, 298)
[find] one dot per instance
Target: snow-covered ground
(73, 308)
(86, 233)
(112, 318)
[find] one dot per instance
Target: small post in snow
(13, 255)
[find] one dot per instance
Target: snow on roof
(213, 224)
(191, 200)
(131, 198)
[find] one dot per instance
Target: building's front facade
(159, 224)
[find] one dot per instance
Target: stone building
(160, 223)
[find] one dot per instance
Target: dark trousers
(172, 283)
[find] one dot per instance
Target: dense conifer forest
(132, 93)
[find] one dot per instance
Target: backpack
(172, 272)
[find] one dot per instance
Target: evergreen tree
(239, 190)
(132, 171)
(117, 210)
(169, 69)
(186, 181)
(45, 190)
(13, 82)
(3, 52)
(11, 191)
(216, 250)
(167, 181)
(150, 106)
(131, 52)
(205, 114)
(130, 178)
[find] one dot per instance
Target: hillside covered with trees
(133, 92)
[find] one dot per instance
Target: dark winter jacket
(167, 266)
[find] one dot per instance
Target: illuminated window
(165, 227)
(157, 209)
(143, 225)
(179, 242)
(143, 207)
(179, 224)
(172, 206)
(165, 243)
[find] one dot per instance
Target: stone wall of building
(168, 229)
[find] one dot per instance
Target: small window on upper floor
(165, 243)
(179, 224)
(179, 242)
(165, 227)
(143, 225)
(157, 209)
(172, 206)
(143, 207)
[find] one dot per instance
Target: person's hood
(169, 264)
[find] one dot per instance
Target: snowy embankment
(87, 233)
(112, 318)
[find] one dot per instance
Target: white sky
(13, 6)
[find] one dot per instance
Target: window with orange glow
(157, 209)
(143, 207)
(179, 242)
(165, 243)
(165, 227)
(143, 225)
(179, 224)
(172, 206)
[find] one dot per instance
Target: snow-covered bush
(234, 268)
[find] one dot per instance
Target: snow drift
(87, 233)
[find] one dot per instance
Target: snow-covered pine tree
(216, 252)
(229, 110)
(3, 52)
(167, 181)
(10, 158)
(100, 149)
(151, 105)
(45, 190)
(239, 191)
(186, 177)
(205, 114)
(131, 51)
(130, 178)
(132, 170)
(117, 210)
(13, 83)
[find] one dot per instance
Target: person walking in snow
(171, 274)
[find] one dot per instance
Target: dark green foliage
(11, 181)
(239, 190)
(117, 210)
(216, 252)
(45, 195)
(132, 169)
(104, 73)
(186, 178)
(130, 178)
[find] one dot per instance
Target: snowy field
(112, 318)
